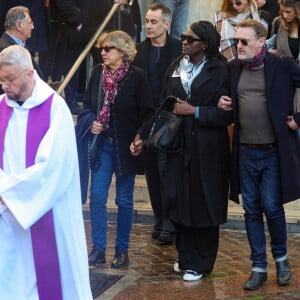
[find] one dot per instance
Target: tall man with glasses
(154, 55)
(266, 157)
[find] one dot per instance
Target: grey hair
(14, 15)
(165, 11)
(16, 55)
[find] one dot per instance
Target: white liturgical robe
(52, 182)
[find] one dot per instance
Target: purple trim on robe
(42, 232)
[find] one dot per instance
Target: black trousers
(154, 173)
(197, 248)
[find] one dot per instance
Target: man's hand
(225, 103)
(291, 123)
(1, 201)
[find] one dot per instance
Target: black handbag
(166, 135)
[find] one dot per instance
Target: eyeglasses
(10, 81)
(237, 3)
(189, 39)
(243, 41)
(107, 48)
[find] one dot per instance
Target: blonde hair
(228, 11)
(121, 40)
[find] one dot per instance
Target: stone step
(235, 217)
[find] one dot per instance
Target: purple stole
(42, 232)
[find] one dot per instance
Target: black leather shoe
(121, 260)
(97, 257)
(284, 274)
(255, 280)
(155, 233)
(166, 237)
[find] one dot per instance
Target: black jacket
(89, 13)
(6, 41)
(197, 180)
(168, 53)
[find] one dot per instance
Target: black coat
(168, 53)
(282, 74)
(5, 41)
(197, 180)
(133, 106)
(89, 13)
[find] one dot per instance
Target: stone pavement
(150, 274)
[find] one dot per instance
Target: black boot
(284, 274)
(255, 280)
(96, 257)
(121, 259)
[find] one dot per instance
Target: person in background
(266, 161)
(79, 20)
(154, 55)
(231, 13)
(128, 19)
(43, 248)
(18, 28)
(124, 102)
(286, 27)
(271, 6)
(180, 10)
(197, 178)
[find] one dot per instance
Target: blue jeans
(260, 188)
(179, 9)
(100, 183)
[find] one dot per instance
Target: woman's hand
(183, 108)
(96, 127)
(136, 147)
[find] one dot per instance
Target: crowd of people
(221, 77)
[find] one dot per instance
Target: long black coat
(281, 76)
(197, 180)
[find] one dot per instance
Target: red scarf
(110, 87)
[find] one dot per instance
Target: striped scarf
(255, 63)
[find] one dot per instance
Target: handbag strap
(160, 108)
(100, 93)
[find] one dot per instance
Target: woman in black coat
(197, 179)
(117, 102)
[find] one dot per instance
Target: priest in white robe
(43, 253)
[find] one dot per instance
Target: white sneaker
(191, 275)
(176, 267)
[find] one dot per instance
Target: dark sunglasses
(189, 39)
(243, 41)
(237, 3)
(107, 48)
